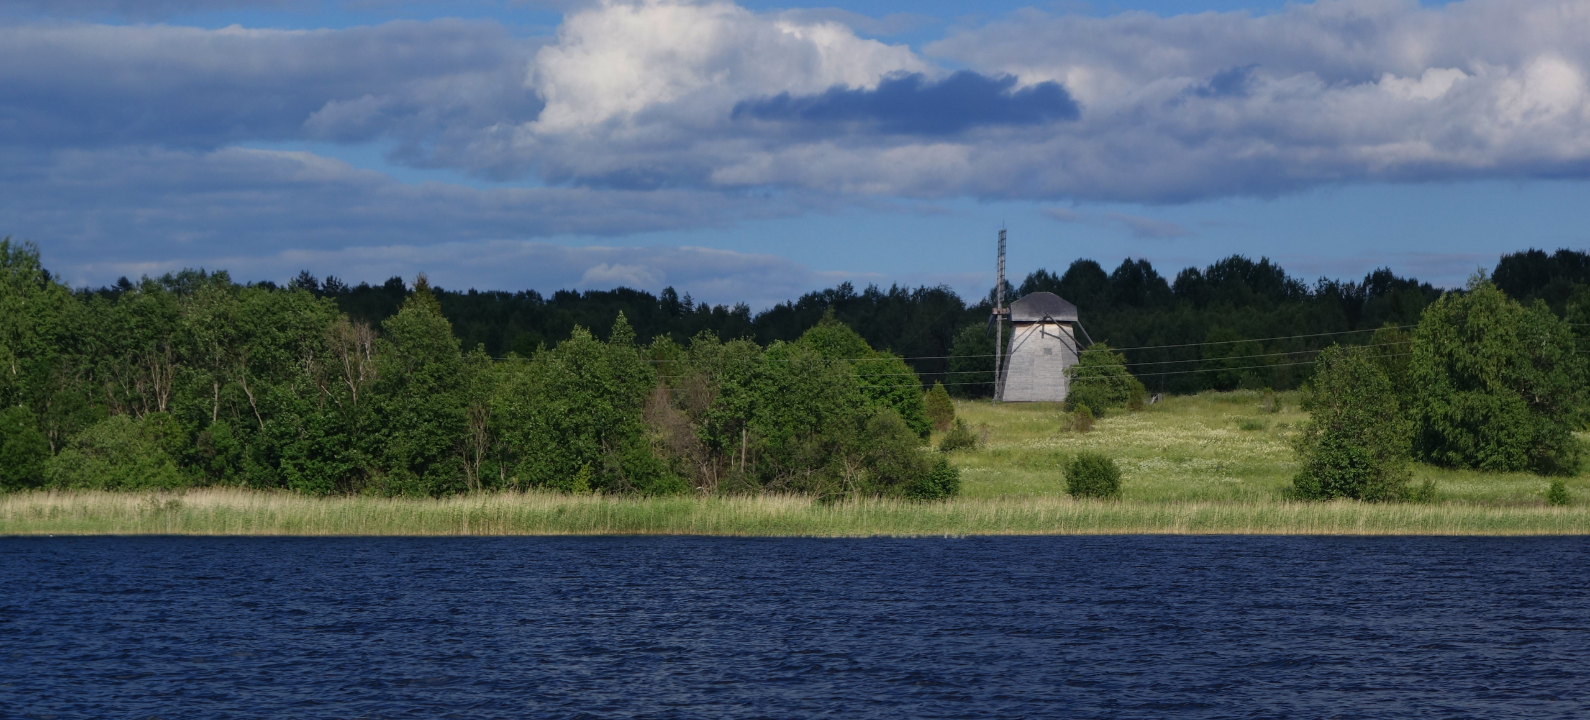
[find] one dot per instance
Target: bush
(959, 437)
(1092, 475)
(940, 409)
(1355, 444)
(1497, 386)
(1100, 381)
(23, 450)
(119, 453)
(1557, 494)
(1082, 419)
(942, 482)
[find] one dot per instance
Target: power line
(1171, 372)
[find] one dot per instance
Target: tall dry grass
(241, 512)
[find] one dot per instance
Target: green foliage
(1356, 442)
(971, 361)
(1093, 475)
(120, 453)
(940, 409)
(277, 388)
(1497, 386)
(960, 437)
(570, 418)
(1557, 492)
(1081, 419)
(418, 402)
(884, 378)
(1232, 362)
(1099, 381)
(940, 483)
(23, 450)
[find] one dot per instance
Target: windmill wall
(1035, 367)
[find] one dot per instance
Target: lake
(684, 627)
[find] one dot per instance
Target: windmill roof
(1034, 307)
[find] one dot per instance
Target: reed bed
(243, 512)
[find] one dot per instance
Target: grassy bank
(238, 512)
(1214, 463)
(1214, 447)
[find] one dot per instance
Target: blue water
(781, 628)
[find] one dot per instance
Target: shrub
(959, 437)
(1100, 381)
(1251, 424)
(1497, 386)
(1082, 419)
(119, 453)
(1557, 493)
(940, 409)
(1355, 444)
(942, 482)
(23, 450)
(1092, 475)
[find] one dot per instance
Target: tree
(1100, 381)
(1356, 443)
(1498, 386)
(23, 450)
(884, 378)
(421, 412)
(573, 417)
(940, 409)
(972, 361)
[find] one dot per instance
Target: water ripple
(1207, 627)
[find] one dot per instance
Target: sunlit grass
(1213, 463)
(1214, 447)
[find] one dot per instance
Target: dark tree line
(1204, 328)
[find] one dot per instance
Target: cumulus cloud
(644, 115)
(1135, 107)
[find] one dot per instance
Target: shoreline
(233, 512)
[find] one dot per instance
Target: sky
(754, 151)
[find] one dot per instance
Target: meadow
(1210, 463)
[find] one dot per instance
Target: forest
(1235, 323)
(193, 378)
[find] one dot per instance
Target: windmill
(1042, 345)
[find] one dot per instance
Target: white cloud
(120, 141)
(620, 58)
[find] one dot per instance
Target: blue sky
(753, 151)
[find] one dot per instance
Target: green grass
(1213, 447)
(1213, 463)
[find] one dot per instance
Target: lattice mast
(999, 322)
